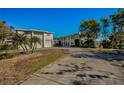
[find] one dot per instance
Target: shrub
(89, 44)
(7, 47)
(8, 55)
(106, 44)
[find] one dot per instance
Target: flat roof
(34, 30)
(68, 36)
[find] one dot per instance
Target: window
(48, 34)
(27, 32)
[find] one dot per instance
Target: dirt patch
(17, 68)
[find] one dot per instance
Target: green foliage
(89, 43)
(106, 44)
(56, 45)
(117, 37)
(104, 25)
(5, 47)
(89, 32)
(117, 20)
(20, 40)
(33, 41)
(5, 53)
(26, 43)
(4, 56)
(8, 55)
(117, 40)
(92, 28)
(5, 31)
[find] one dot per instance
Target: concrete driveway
(80, 67)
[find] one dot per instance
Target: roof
(72, 35)
(34, 30)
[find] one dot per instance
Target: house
(45, 36)
(70, 40)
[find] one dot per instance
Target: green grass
(42, 62)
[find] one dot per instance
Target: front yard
(19, 67)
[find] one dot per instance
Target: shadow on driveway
(98, 55)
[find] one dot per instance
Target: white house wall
(39, 35)
(68, 41)
(48, 40)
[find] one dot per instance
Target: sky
(60, 21)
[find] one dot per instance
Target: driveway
(80, 67)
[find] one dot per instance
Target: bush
(56, 45)
(7, 47)
(106, 44)
(117, 40)
(89, 44)
(8, 55)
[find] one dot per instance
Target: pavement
(80, 67)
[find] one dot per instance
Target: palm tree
(33, 41)
(20, 40)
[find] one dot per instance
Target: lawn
(15, 69)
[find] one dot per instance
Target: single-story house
(70, 40)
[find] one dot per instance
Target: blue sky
(61, 21)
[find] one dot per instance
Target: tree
(91, 27)
(117, 40)
(25, 43)
(89, 30)
(33, 41)
(117, 37)
(5, 31)
(104, 26)
(2, 23)
(20, 40)
(104, 32)
(117, 21)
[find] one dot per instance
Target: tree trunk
(33, 48)
(26, 48)
(23, 48)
